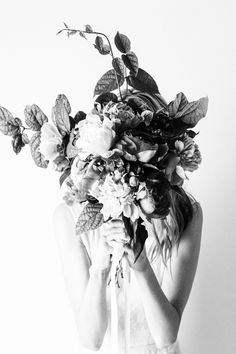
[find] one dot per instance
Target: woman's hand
(117, 238)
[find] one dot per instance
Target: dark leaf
(118, 65)
(8, 125)
(88, 29)
(17, 143)
(72, 32)
(191, 133)
(122, 42)
(37, 156)
(65, 25)
(60, 114)
(80, 115)
(90, 218)
(64, 175)
(131, 62)
(106, 97)
(143, 82)
(108, 82)
(34, 117)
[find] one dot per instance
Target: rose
(50, 138)
(96, 136)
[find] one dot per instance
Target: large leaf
(194, 111)
(8, 125)
(60, 114)
(108, 82)
(131, 62)
(118, 65)
(90, 218)
(36, 154)
(34, 117)
(122, 42)
(143, 82)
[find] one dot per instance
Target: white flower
(50, 138)
(96, 136)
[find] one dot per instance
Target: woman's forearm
(163, 319)
(92, 318)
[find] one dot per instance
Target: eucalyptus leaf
(64, 175)
(90, 218)
(8, 125)
(36, 154)
(118, 65)
(34, 117)
(143, 82)
(131, 62)
(108, 82)
(122, 42)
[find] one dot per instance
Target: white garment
(141, 341)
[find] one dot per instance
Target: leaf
(103, 49)
(192, 112)
(143, 82)
(88, 29)
(118, 65)
(106, 97)
(108, 82)
(25, 138)
(36, 155)
(64, 175)
(65, 25)
(131, 62)
(34, 117)
(90, 218)
(60, 114)
(17, 143)
(81, 33)
(8, 125)
(18, 121)
(122, 42)
(71, 33)
(178, 104)
(80, 115)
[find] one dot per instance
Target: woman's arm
(86, 289)
(164, 305)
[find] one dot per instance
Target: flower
(50, 138)
(190, 156)
(96, 136)
(134, 148)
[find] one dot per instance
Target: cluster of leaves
(34, 119)
(115, 77)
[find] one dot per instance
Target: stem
(109, 43)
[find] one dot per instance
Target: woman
(158, 291)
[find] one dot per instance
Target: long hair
(181, 212)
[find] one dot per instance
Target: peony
(50, 138)
(96, 136)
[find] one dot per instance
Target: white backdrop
(187, 46)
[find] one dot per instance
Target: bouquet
(123, 158)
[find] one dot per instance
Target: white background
(186, 46)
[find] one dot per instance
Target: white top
(141, 341)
